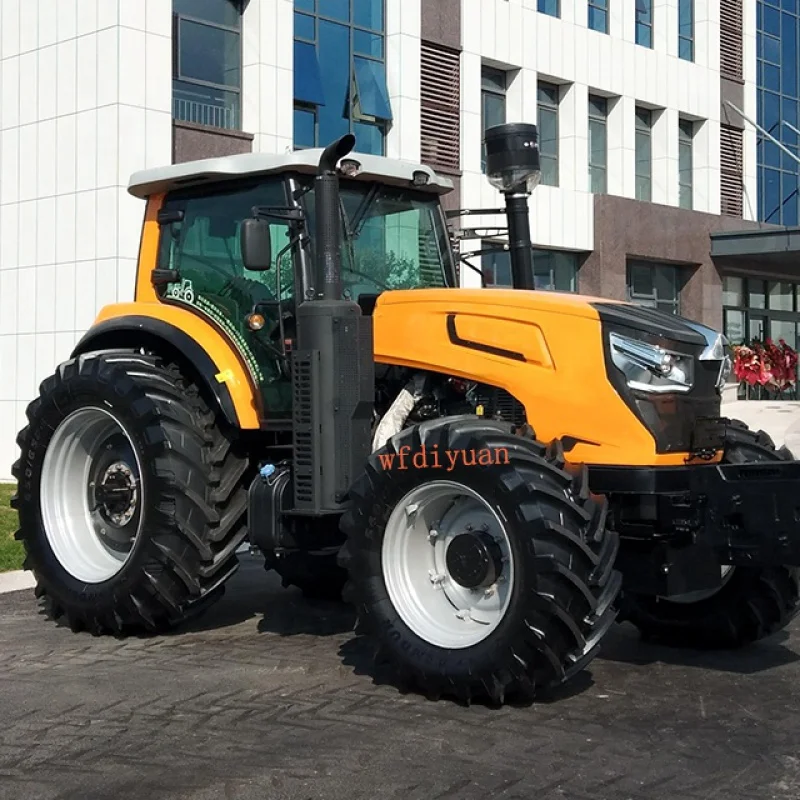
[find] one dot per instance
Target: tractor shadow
(623, 645)
(255, 594)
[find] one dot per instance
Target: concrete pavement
(271, 696)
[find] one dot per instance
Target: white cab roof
(192, 173)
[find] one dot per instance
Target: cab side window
(204, 248)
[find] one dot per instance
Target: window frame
(538, 253)
(686, 6)
(488, 88)
(596, 117)
(687, 130)
(542, 8)
(764, 315)
(644, 131)
(177, 19)
(355, 116)
(600, 7)
(641, 26)
(549, 106)
(648, 300)
(778, 87)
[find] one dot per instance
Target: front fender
(210, 353)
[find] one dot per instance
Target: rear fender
(180, 334)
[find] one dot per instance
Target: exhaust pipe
(328, 225)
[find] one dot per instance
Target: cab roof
(211, 170)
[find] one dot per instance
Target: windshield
(393, 238)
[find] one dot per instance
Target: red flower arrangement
(773, 366)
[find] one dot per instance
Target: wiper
(360, 217)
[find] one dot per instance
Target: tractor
(491, 476)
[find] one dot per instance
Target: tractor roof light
(420, 178)
(349, 167)
(512, 157)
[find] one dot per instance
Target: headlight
(649, 368)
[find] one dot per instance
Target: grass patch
(11, 552)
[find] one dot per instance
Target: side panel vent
(304, 366)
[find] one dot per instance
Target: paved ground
(268, 698)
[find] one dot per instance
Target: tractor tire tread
(568, 601)
(754, 603)
(198, 479)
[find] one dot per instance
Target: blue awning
(307, 77)
(373, 93)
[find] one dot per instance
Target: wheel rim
(448, 564)
(91, 495)
(726, 573)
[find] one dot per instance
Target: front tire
(479, 581)
(148, 538)
(751, 602)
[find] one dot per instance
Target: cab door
(201, 245)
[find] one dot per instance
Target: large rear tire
(485, 581)
(751, 602)
(131, 498)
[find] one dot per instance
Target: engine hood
(515, 303)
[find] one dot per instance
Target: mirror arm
(278, 212)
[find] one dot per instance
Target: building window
(686, 29)
(550, 7)
(754, 308)
(598, 15)
(493, 103)
(655, 285)
(644, 23)
(598, 144)
(778, 55)
(548, 95)
(207, 62)
(340, 73)
(644, 154)
(685, 163)
(553, 270)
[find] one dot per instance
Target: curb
(16, 581)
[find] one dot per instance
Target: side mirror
(256, 244)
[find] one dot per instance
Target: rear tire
(188, 481)
(752, 602)
(551, 561)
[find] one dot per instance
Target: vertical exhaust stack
(333, 371)
(512, 166)
(328, 228)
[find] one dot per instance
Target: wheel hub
(117, 494)
(474, 559)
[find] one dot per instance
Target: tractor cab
(237, 243)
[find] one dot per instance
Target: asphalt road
(270, 696)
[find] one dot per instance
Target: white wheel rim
(91, 495)
(422, 588)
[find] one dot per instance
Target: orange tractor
(298, 358)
